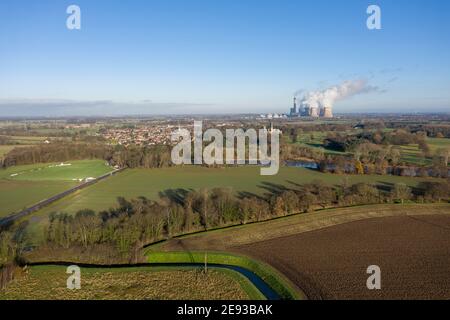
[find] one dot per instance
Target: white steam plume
(328, 97)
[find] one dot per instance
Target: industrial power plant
(307, 110)
(319, 104)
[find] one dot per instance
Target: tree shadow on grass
(297, 185)
(245, 194)
(176, 195)
(273, 188)
(384, 186)
(389, 186)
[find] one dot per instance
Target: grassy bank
(272, 277)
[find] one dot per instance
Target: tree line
(134, 223)
(12, 246)
(132, 157)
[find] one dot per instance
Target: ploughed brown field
(326, 254)
(413, 253)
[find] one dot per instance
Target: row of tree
(132, 157)
(12, 245)
(141, 221)
(434, 130)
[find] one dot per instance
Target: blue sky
(218, 56)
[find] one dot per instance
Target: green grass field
(314, 140)
(27, 140)
(136, 283)
(23, 186)
(17, 195)
(149, 183)
(436, 143)
(412, 154)
(67, 171)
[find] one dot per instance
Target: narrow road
(13, 217)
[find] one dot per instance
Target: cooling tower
(327, 112)
(314, 112)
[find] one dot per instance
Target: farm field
(331, 263)
(17, 195)
(412, 154)
(134, 283)
(66, 171)
(436, 143)
(314, 139)
(23, 186)
(150, 183)
(27, 140)
(326, 253)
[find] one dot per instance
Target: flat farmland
(412, 154)
(17, 195)
(413, 254)
(27, 140)
(65, 171)
(314, 139)
(436, 143)
(150, 183)
(23, 186)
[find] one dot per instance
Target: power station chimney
(294, 108)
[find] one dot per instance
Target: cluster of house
(144, 136)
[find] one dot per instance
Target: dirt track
(413, 253)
